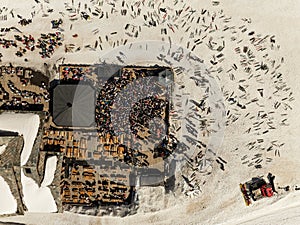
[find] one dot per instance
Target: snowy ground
(8, 203)
(221, 201)
(37, 199)
(40, 199)
(283, 212)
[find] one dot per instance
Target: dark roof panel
(74, 105)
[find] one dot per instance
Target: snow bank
(37, 199)
(40, 199)
(50, 170)
(8, 203)
(2, 149)
(25, 124)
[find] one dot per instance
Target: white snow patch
(50, 170)
(8, 203)
(2, 148)
(26, 124)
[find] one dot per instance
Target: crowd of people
(77, 73)
(145, 110)
(131, 111)
(6, 43)
(127, 105)
(46, 43)
(72, 73)
(29, 43)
